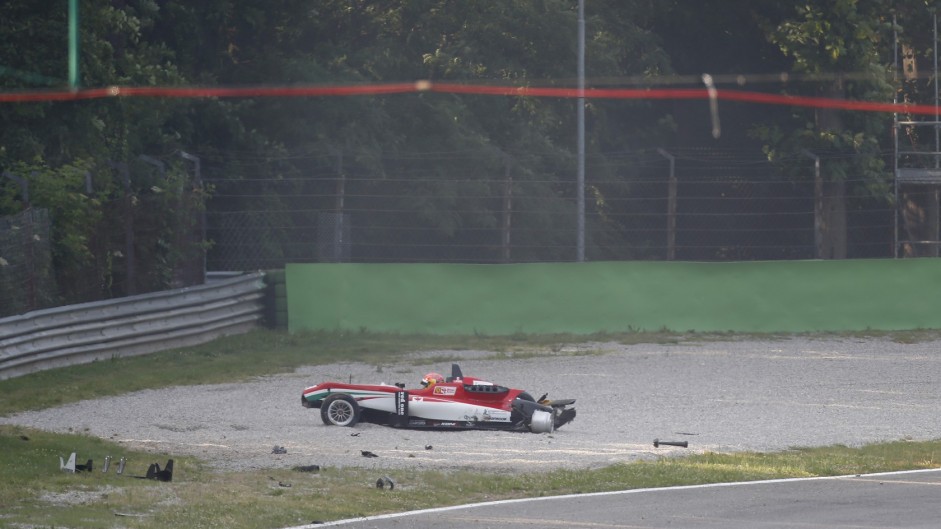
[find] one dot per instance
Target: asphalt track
(892, 500)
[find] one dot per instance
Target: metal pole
(507, 207)
(580, 181)
(895, 134)
(937, 140)
(195, 159)
(818, 205)
(341, 200)
(24, 187)
(671, 205)
(202, 216)
(162, 167)
(73, 45)
(130, 268)
(341, 184)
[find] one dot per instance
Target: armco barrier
(130, 326)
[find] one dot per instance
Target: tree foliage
(516, 42)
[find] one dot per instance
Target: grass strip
(35, 493)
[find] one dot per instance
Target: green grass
(36, 493)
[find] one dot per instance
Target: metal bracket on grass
(154, 472)
(70, 466)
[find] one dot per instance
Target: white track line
(609, 493)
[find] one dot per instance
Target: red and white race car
(455, 402)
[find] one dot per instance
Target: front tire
(339, 409)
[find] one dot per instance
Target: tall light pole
(580, 180)
(73, 44)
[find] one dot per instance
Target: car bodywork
(457, 403)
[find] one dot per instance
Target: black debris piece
(367, 453)
(154, 472)
(657, 443)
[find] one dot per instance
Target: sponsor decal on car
(445, 390)
(490, 416)
(401, 403)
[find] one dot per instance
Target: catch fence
(682, 204)
(139, 231)
(659, 204)
(26, 278)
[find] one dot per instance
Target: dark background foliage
(434, 177)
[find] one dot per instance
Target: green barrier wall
(779, 296)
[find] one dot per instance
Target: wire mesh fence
(26, 275)
(132, 236)
(681, 204)
(689, 204)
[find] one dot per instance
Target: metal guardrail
(134, 325)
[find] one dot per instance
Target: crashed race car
(453, 403)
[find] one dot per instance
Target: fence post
(131, 280)
(818, 204)
(202, 217)
(507, 207)
(31, 303)
(341, 204)
(671, 205)
(162, 167)
(24, 186)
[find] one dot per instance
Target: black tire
(339, 409)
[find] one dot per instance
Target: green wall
(772, 296)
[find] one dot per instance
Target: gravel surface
(718, 396)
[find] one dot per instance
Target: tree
(844, 43)
(68, 150)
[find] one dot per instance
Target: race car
(453, 403)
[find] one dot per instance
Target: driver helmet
(431, 379)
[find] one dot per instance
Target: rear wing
(456, 373)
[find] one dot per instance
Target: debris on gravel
(719, 396)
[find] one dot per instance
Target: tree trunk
(920, 216)
(834, 202)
